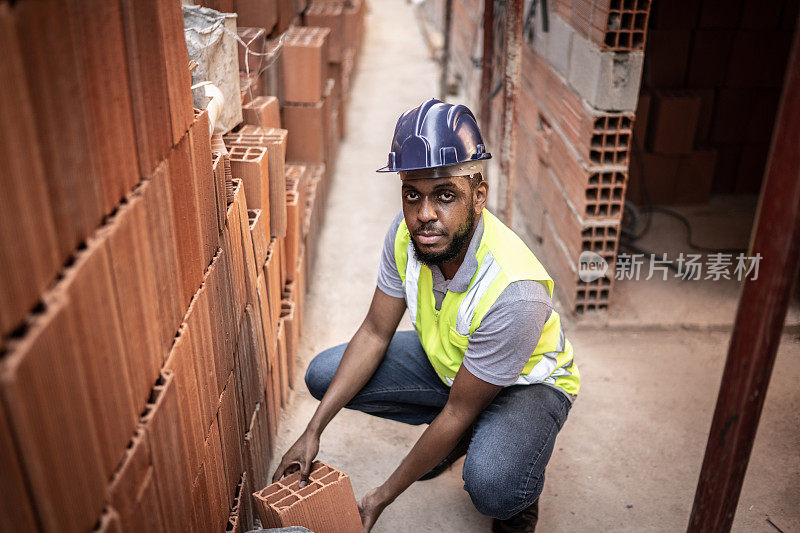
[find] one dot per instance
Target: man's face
(440, 214)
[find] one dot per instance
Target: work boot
(459, 451)
(522, 522)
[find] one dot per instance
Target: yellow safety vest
(503, 258)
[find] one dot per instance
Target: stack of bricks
(325, 505)
(145, 300)
(712, 82)
(581, 70)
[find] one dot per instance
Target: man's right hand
(299, 457)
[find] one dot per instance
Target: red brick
(292, 335)
(251, 165)
(168, 452)
(309, 138)
(694, 177)
(30, 255)
(186, 218)
(181, 363)
(203, 176)
(263, 111)
(326, 505)
(257, 447)
(48, 412)
(136, 293)
(259, 235)
(179, 78)
(198, 323)
(331, 16)
(305, 64)
(68, 155)
(16, 507)
(257, 14)
(666, 58)
(674, 122)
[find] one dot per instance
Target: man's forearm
(361, 358)
(434, 444)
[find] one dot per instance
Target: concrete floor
(630, 453)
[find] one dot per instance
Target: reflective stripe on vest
(444, 334)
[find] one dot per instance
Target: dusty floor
(630, 453)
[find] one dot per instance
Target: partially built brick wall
(150, 305)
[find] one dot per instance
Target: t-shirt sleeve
(389, 281)
(509, 332)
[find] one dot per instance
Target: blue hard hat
(435, 134)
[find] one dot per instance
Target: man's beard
(460, 241)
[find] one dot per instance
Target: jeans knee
(318, 378)
(497, 492)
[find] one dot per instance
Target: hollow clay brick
(181, 363)
(257, 445)
(673, 121)
(49, 417)
(272, 369)
(150, 88)
(198, 323)
(283, 362)
(251, 165)
(88, 288)
(29, 253)
(63, 132)
(203, 176)
(215, 474)
(305, 63)
(291, 336)
(274, 282)
(132, 492)
(326, 505)
(259, 235)
(255, 39)
(168, 452)
(234, 251)
(256, 14)
(331, 16)
(292, 239)
(231, 437)
(274, 140)
(263, 112)
(157, 200)
(179, 79)
(221, 316)
(16, 508)
(186, 218)
(102, 50)
(241, 515)
(125, 237)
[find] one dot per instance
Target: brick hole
(591, 307)
(605, 194)
(276, 496)
(591, 193)
(587, 233)
(595, 156)
(617, 193)
(604, 294)
(593, 294)
(615, 209)
(597, 141)
(597, 246)
(594, 179)
(629, 5)
(640, 21)
(330, 478)
(309, 490)
(637, 41)
(287, 502)
(586, 245)
(626, 21)
(622, 156)
(606, 178)
(611, 39)
(643, 5)
(602, 210)
(623, 140)
(579, 308)
(615, 4)
(625, 124)
(612, 123)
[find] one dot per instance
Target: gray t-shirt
(510, 330)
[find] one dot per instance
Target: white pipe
(215, 104)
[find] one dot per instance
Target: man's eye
(447, 196)
(411, 196)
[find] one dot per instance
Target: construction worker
(488, 367)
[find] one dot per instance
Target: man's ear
(480, 195)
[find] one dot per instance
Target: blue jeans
(513, 437)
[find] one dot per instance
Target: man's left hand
(370, 507)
